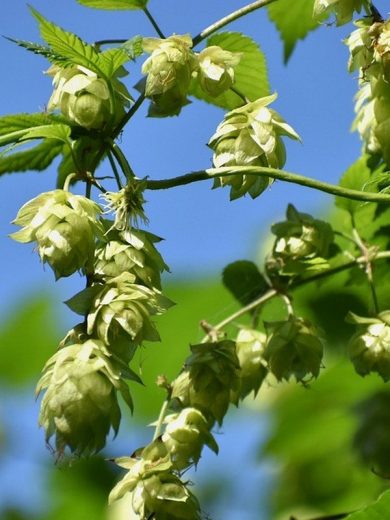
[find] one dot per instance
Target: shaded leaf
(37, 158)
(251, 78)
(114, 4)
(357, 178)
(294, 20)
(81, 302)
(244, 280)
(379, 510)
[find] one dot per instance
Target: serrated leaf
(81, 302)
(379, 510)
(41, 50)
(134, 47)
(244, 280)
(112, 59)
(294, 20)
(37, 158)
(16, 122)
(114, 4)
(356, 177)
(251, 78)
(58, 132)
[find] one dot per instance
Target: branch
(230, 18)
(274, 173)
(154, 23)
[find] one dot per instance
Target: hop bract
(80, 403)
(216, 69)
(343, 9)
(211, 373)
(169, 71)
(64, 226)
(369, 348)
(250, 136)
(120, 305)
(155, 490)
(293, 349)
(84, 98)
(185, 435)
(302, 242)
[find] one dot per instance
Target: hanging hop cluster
(123, 268)
(369, 47)
(342, 9)
(86, 99)
(173, 66)
(302, 245)
(369, 348)
(250, 136)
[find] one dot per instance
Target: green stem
(122, 161)
(126, 118)
(154, 23)
(115, 170)
(267, 172)
(114, 41)
(68, 181)
(161, 417)
(230, 18)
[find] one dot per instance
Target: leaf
(75, 51)
(81, 302)
(294, 20)
(114, 4)
(379, 510)
(59, 132)
(41, 50)
(37, 158)
(134, 47)
(244, 281)
(356, 178)
(16, 122)
(251, 79)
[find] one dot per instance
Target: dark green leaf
(294, 20)
(114, 4)
(37, 158)
(380, 510)
(81, 302)
(357, 178)
(251, 79)
(244, 281)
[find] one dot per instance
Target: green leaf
(81, 302)
(41, 50)
(59, 132)
(379, 510)
(37, 158)
(75, 51)
(114, 4)
(244, 281)
(251, 79)
(356, 178)
(16, 122)
(294, 20)
(134, 47)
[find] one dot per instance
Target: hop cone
(80, 403)
(64, 226)
(343, 9)
(84, 98)
(369, 348)
(216, 69)
(156, 492)
(169, 71)
(211, 373)
(185, 435)
(293, 349)
(250, 136)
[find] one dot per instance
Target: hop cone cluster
(293, 349)
(80, 404)
(369, 348)
(85, 99)
(64, 226)
(369, 47)
(302, 244)
(343, 9)
(250, 136)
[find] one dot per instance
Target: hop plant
(250, 136)
(343, 9)
(127, 204)
(211, 370)
(365, 123)
(65, 228)
(121, 306)
(169, 71)
(80, 403)
(293, 349)
(302, 243)
(369, 348)
(130, 251)
(216, 69)
(250, 345)
(185, 435)
(85, 99)
(156, 492)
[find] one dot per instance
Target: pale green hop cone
(250, 136)
(342, 9)
(65, 228)
(216, 69)
(80, 403)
